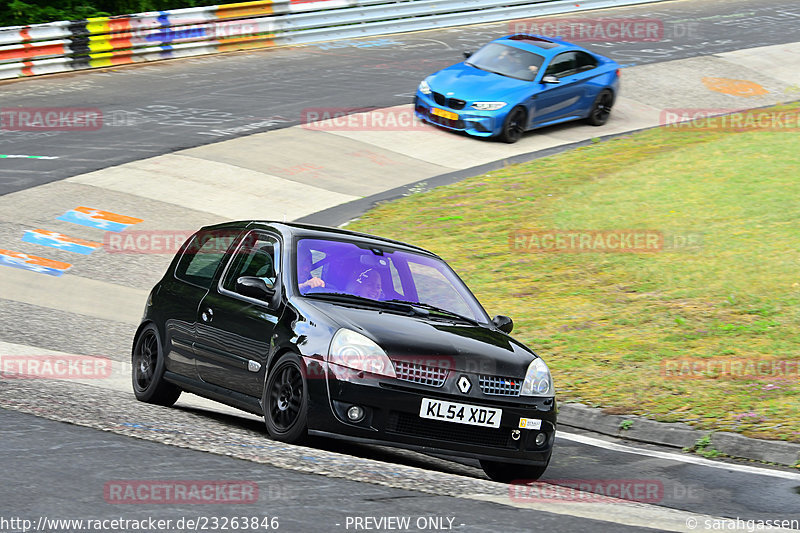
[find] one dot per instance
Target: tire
(508, 472)
(601, 108)
(147, 374)
(513, 125)
(286, 401)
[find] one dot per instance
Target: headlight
(353, 350)
(424, 88)
(488, 106)
(537, 380)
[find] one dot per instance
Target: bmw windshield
(381, 275)
(507, 61)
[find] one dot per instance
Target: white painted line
(591, 441)
(18, 156)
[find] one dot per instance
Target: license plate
(444, 114)
(460, 413)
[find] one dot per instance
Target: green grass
(607, 323)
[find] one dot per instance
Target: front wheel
(508, 472)
(147, 373)
(286, 401)
(601, 109)
(513, 126)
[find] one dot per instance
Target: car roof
(296, 229)
(538, 44)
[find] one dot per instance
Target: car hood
(435, 341)
(473, 84)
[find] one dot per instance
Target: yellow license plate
(444, 114)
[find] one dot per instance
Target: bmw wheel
(286, 401)
(147, 373)
(601, 109)
(513, 126)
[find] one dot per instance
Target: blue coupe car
(518, 83)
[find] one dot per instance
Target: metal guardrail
(107, 41)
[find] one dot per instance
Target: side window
(202, 256)
(562, 65)
(584, 61)
(259, 256)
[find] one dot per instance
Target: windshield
(507, 61)
(382, 275)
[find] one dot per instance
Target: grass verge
(704, 331)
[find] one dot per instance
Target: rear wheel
(147, 373)
(513, 126)
(601, 109)
(508, 472)
(286, 401)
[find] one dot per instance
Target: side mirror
(503, 323)
(254, 287)
(467, 55)
(551, 79)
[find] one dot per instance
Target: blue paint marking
(24, 265)
(163, 19)
(54, 242)
(93, 222)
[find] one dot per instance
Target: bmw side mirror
(467, 54)
(503, 323)
(551, 79)
(254, 287)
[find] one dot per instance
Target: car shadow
(399, 456)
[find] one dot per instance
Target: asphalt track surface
(164, 107)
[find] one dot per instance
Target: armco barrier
(106, 41)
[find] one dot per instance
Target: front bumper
(392, 417)
(471, 121)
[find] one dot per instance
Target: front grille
(453, 103)
(497, 386)
(408, 424)
(416, 373)
(455, 124)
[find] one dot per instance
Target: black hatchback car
(334, 333)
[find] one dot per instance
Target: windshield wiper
(352, 298)
(434, 309)
(485, 69)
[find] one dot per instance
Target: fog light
(540, 438)
(355, 413)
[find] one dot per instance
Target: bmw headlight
(538, 381)
(355, 351)
(488, 106)
(424, 88)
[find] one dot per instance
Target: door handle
(207, 315)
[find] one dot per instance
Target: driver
(366, 285)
